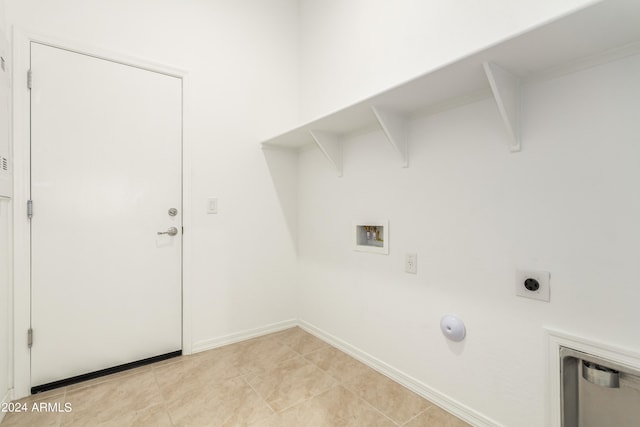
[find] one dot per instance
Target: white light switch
(411, 263)
(212, 206)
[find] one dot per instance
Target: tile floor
(289, 378)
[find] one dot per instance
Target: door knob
(172, 231)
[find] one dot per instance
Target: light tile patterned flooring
(289, 378)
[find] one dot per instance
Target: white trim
(9, 316)
(187, 223)
(100, 53)
(8, 397)
(445, 402)
(21, 137)
(557, 339)
(21, 268)
(210, 344)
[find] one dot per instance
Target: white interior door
(106, 144)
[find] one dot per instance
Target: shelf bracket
(506, 91)
(394, 126)
(329, 144)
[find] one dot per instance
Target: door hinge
(29, 209)
(29, 81)
(30, 337)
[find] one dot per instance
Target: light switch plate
(212, 205)
(411, 263)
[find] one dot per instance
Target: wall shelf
(329, 144)
(506, 91)
(594, 35)
(394, 125)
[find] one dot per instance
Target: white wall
(242, 64)
(352, 49)
(6, 306)
(473, 212)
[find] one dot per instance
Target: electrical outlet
(533, 284)
(411, 263)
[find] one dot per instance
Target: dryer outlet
(533, 284)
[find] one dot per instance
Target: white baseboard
(210, 344)
(8, 397)
(445, 402)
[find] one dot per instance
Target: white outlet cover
(411, 263)
(543, 293)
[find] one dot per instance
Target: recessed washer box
(371, 236)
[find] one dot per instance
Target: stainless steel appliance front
(596, 392)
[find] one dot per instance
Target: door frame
(22, 182)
